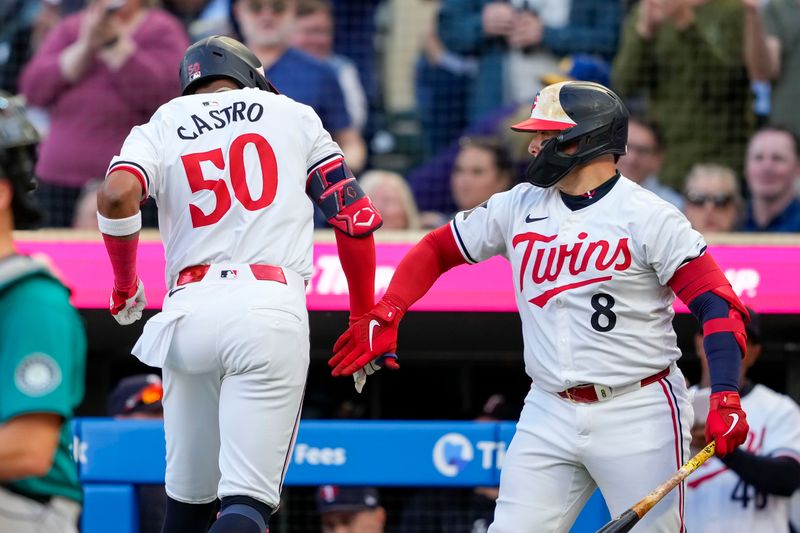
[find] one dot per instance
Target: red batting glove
(371, 336)
(726, 423)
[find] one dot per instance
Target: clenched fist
(126, 306)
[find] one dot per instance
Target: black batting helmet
(218, 57)
(18, 140)
(585, 113)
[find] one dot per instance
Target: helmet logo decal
(535, 101)
(547, 106)
(194, 71)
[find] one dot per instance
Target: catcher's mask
(18, 140)
(218, 57)
(586, 114)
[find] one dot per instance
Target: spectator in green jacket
(686, 58)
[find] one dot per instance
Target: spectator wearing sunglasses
(266, 28)
(713, 202)
(139, 397)
(772, 171)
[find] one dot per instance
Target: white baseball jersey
(718, 501)
(228, 171)
(218, 165)
(590, 284)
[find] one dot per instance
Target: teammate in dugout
(234, 167)
(597, 261)
(750, 489)
(42, 357)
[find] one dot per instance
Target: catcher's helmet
(221, 57)
(18, 140)
(585, 113)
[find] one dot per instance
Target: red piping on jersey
(678, 439)
(136, 173)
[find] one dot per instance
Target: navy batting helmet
(586, 114)
(218, 57)
(18, 140)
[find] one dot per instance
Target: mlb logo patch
(229, 274)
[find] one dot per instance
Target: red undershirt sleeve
(357, 256)
(122, 254)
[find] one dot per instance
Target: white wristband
(120, 227)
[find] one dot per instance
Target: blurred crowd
(420, 93)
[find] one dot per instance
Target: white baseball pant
(626, 446)
(235, 362)
(19, 514)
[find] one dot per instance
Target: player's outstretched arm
(703, 287)
(120, 222)
(375, 333)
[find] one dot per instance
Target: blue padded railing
(114, 455)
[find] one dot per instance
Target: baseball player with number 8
(234, 167)
(597, 263)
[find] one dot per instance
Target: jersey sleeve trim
(460, 242)
(135, 169)
(702, 251)
(323, 160)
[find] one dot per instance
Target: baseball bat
(625, 522)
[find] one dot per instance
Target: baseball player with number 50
(234, 168)
(597, 262)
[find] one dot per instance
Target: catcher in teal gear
(42, 359)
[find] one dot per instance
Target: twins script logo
(550, 261)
